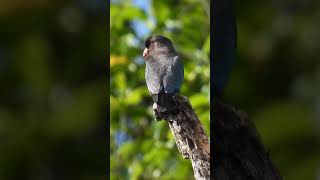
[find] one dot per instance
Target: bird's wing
(224, 44)
(173, 78)
(152, 76)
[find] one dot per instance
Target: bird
(164, 71)
(224, 45)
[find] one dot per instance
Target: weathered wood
(238, 153)
(190, 136)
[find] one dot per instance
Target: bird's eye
(147, 43)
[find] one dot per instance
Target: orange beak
(145, 52)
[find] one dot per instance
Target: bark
(237, 149)
(238, 152)
(190, 136)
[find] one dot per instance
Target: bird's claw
(156, 114)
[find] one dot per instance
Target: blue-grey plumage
(224, 44)
(173, 79)
(164, 69)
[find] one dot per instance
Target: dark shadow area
(54, 89)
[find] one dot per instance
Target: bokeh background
(54, 89)
(53, 92)
(276, 80)
(142, 148)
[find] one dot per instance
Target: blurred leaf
(287, 120)
(126, 149)
(206, 46)
(115, 60)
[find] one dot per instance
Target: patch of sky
(143, 28)
(121, 137)
(140, 28)
(139, 60)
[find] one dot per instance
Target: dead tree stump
(190, 136)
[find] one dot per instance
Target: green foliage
(142, 148)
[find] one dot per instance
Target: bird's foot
(156, 114)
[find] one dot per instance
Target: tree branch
(190, 136)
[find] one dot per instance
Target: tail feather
(163, 99)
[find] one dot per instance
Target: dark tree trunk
(237, 151)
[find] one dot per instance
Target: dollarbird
(224, 44)
(164, 71)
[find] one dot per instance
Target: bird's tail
(165, 101)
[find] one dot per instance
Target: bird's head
(157, 44)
